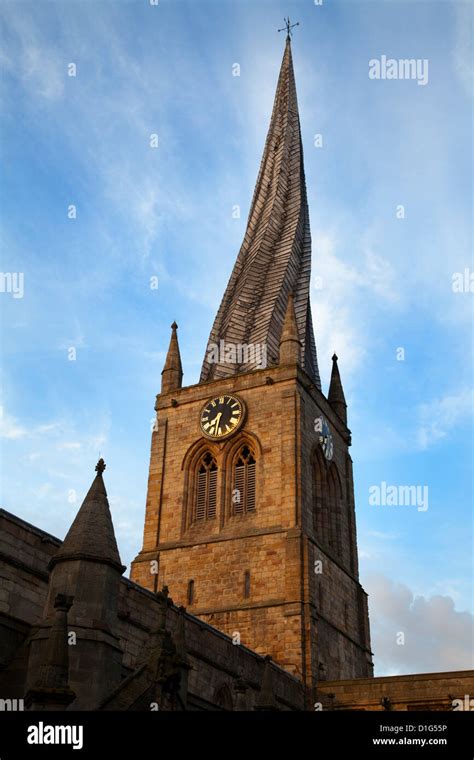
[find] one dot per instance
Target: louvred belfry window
(206, 493)
(243, 494)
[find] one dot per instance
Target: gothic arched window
(335, 513)
(243, 482)
(206, 488)
(223, 698)
(320, 500)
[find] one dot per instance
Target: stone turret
(88, 568)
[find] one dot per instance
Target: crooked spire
(275, 257)
(336, 394)
(172, 374)
(91, 535)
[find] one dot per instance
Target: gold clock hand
(213, 423)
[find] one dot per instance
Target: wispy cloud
(381, 535)
(344, 293)
(438, 418)
(9, 426)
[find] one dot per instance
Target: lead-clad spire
(275, 257)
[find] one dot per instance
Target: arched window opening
(206, 491)
(327, 505)
(223, 698)
(320, 505)
(244, 482)
(335, 513)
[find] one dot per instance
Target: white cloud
(430, 423)
(45, 73)
(58, 459)
(342, 295)
(338, 332)
(380, 277)
(437, 418)
(9, 426)
(41, 69)
(379, 534)
(49, 427)
(52, 435)
(374, 274)
(437, 636)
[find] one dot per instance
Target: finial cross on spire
(100, 466)
(288, 26)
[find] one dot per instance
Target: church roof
(275, 257)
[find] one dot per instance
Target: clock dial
(321, 427)
(221, 416)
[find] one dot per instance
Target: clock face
(321, 427)
(221, 416)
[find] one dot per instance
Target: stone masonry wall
(216, 662)
(280, 615)
(338, 603)
(216, 554)
(423, 691)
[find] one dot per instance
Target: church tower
(250, 515)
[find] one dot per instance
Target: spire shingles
(275, 256)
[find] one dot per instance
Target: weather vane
(288, 26)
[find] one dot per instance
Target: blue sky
(386, 282)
